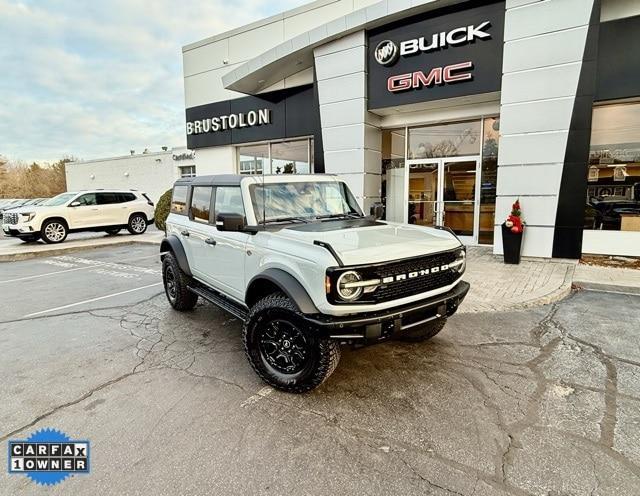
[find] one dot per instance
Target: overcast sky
(96, 79)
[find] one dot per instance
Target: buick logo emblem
(386, 53)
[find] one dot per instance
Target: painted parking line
(71, 305)
(93, 265)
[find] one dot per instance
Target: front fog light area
(347, 286)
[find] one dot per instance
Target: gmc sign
(437, 76)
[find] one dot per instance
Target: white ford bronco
(295, 259)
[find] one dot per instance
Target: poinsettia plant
(514, 220)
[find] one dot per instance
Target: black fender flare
(173, 244)
(290, 286)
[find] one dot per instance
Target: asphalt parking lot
(539, 402)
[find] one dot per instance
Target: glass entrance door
(443, 192)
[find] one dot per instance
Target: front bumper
(378, 326)
(19, 230)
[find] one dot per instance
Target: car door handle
(185, 233)
(211, 241)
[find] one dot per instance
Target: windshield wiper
(339, 216)
(287, 219)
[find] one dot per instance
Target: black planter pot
(511, 244)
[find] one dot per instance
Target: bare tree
(19, 180)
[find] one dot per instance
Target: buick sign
(386, 53)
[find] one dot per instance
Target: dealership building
(444, 111)
(152, 172)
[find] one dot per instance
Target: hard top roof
(236, 179)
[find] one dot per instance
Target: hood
(26, 209)
(375, 242)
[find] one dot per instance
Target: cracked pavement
(544, 401)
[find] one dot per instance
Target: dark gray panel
(567, 238)
(294, 113)
(619, 59)
(485, 54)
(205, 112)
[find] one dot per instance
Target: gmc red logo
(453, 73)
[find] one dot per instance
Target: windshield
(304, 201)
(61, 199)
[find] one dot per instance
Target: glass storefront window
(613, 181)
(281, 157)
(290, 157)
(393, 184)
(489, 179)
(252, 159)
(446, 140)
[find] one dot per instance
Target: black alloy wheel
(176, 285)
(170, 284)
(283, 346)
(283, 349)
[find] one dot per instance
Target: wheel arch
(172, 244)
(138, 212)
(56, 218)
(273, 280)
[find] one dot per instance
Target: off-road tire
(179, 296)
(422, 333)
(137, 224)
(323, 354)
(51, 226)
(113, 232)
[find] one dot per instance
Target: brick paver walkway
(496, 286)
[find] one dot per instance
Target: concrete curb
(610, 279)
(15, 257)
(609, 288)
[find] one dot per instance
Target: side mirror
(230, 222)
(377, 211)
(75, 204)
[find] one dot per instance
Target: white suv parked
(92, 210)
(296, 260)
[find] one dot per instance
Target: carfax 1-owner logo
(48, 457)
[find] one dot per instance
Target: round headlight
(346, 286)
(461, 261)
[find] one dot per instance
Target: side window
(229, 200)
(87, 199)
(179, 200)
(126, 197)
(201, 204)
(106, 198)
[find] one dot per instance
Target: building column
(545, 53)
(351, 140)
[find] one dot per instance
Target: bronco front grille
(421, 284)
(406, 277)
(10, 218)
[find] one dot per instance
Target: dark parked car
(606, 211)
